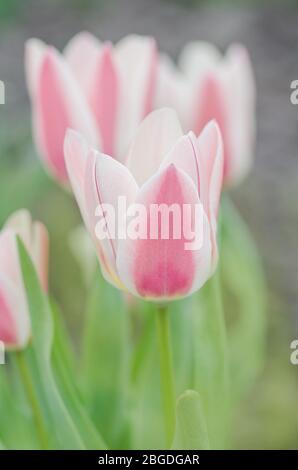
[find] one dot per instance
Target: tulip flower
(163, 168)
(99, 90)
(15, 330)
(207, 86)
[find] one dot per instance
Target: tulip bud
(15, 330)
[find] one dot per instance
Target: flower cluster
(124, 123)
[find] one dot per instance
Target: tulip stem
(166, 372)
(32, 398)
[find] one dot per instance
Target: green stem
(166, 372)
(30, 392)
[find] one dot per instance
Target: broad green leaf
(239, 277)
(211, 359)
(105, 362)
(63, 433)
(243, 280)
(191, 430)
(62, 347)
(16, 427)
(145, 395)
(64, 371)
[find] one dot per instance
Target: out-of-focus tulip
(205, 86)
(15, 330)
(57, 104)
(164, 167)
(102, 91)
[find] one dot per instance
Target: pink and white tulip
(100, 90)
(163, 167)
(15, 329)
(207, 85)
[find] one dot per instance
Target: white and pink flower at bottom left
(15, 328)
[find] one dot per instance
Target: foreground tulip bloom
(101, 91)
(163, 168)
(15, 328)
(207, 86)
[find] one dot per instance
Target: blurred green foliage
(9, 8)
(268, 416)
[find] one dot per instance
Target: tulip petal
(162, 268)
(35, 238)
(242, 97)
(34, 53)
(8, 327)
(81, 54)
(173, 91)
(210, 147)
(104, 98)
(9, 261)
(40, 253)
(75, 153)
(105, 180)
(156, 136)
(15, 328)
(212, 105)
(14, 318)
(184, 155)
(21, 222)
(197, 56)
(58, 104)
(136, 61)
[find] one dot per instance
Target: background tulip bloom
(163, 167)
(15, 328)
(99, 90)
(206, 86)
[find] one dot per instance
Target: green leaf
(211, 359)
(16, 425)
(61, 428)
(243, 281)
(105, 362)
(191, 429)
(145, 396)
(64, 371)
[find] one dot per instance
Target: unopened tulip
(205, 86)
(102, 91)
(163, 168)
(15, 330)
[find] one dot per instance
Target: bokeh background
(268, 199)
